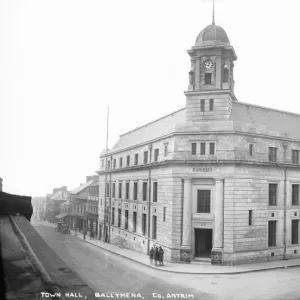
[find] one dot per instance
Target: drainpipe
(149, 205)
(284, 218)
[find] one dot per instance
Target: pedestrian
(161, 256)
(92, 234)
(151, 255)
(156, 256)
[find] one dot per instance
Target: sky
(64, 62)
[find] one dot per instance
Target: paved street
(106, 272)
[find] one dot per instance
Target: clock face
(208, 65)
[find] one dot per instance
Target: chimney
(1, 184)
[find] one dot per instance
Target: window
(203, 201)
(145, 157)
(250, 149)
(114, 163)
(154, 227)
(166, 149)
(128, 160)
(134, 221)
(202, 105)
(272, 194)
(211, 104)
(107, 190)
(135, 190)
(120, 190)
(164, 214)
(156, 153)
(154, 191)
(295, 194)
(194, 148)
(102, 163)
(212, 148)
(113, 216)
(114, 190)
(121, 162)
(144, 191)
(108, 164)
(144, 220)
(202, 148)
(207, 79)
(295, 157)
(272, 154)
(295, 232)
(119, 217)
(126, 218)
(127, 190)
(272, 234)
(136, 159)
(250, 217)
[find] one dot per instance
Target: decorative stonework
(216, 257)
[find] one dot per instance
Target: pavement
(193, 268)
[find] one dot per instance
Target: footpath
(193, 268)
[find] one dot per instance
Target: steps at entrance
(202, 260)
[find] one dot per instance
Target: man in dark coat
(161, 256)
(151, 255)
(155, 255)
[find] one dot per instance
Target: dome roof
(212, 34)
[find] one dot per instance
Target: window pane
(295, 194)
(203, 201)
(272, 234)
(207, 78)
(194, 148)
(211, 148)
(295, 232)
(211, 104)
(272, 194)
(202, 148)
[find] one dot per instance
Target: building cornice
(200, 162)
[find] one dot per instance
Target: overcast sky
(63, 62)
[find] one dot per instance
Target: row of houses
(78, 208)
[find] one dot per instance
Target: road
(106, 272)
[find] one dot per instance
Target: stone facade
(218, 173)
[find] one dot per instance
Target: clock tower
(211, 84)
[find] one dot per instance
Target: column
(185, 250)
(218, 227)
(187, 213)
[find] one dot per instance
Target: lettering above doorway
(202, 169)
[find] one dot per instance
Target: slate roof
(275, 120)
(151, 131)
(284, 122)
(79, 189)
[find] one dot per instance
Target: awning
(60, 216)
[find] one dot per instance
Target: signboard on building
(216, 257)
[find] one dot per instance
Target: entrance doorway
(203, 242)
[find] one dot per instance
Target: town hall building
(217, 180)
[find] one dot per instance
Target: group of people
(156, 254)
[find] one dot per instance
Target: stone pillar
(217, 251)
(185, 251)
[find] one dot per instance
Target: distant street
(105, 272)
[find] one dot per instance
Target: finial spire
(213, 17)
